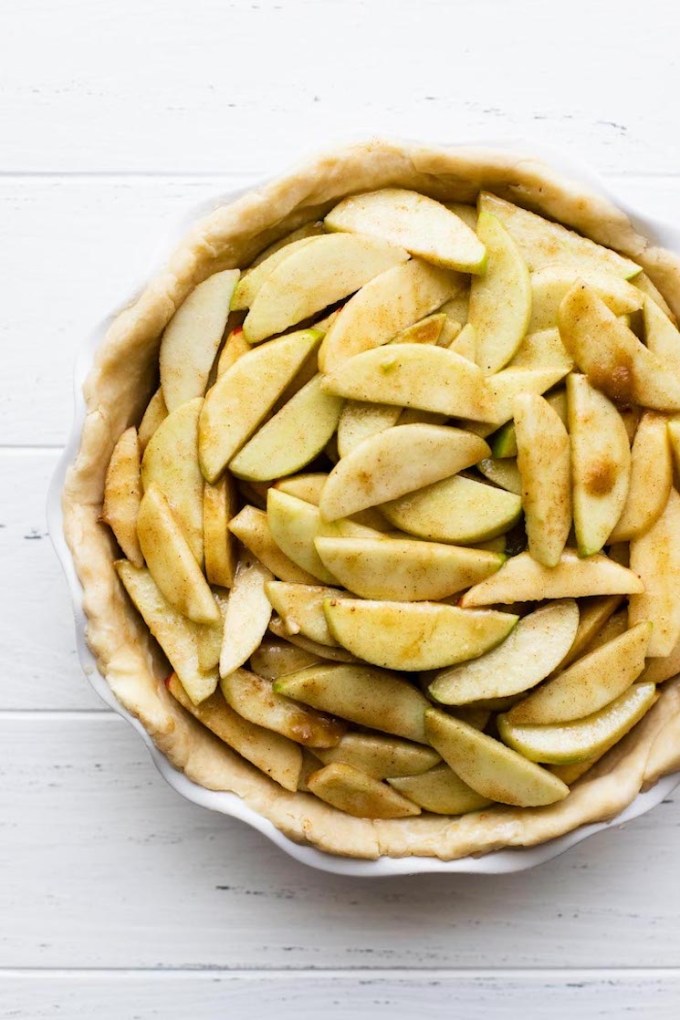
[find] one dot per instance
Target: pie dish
(119, 387)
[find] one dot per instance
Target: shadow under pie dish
(443, 619)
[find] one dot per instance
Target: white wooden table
(117, 898)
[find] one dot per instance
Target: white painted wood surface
(117, 898)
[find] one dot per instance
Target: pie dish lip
(504, 861)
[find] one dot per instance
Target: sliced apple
(381, 756)
(276, 658)
(504, 443)
(490, 768)
(314, 648)
(294, 524)
(300, 606)
(312, 229)
(219, 506)
(156, 413)
(209, 636)
(661, 335)
(251, 527)
(355, 793)
(500, 301)
(404, 570)
(615, 626)
(388, 304)
(254, 699)
(583, 739)
(171, 462)
(593, 615)
(323, 271)
(413, 375)
(191, 338)
(612, 357)
(306, 486)
(456, 308)
(660, 669)
(528, 655)
(465, 343)
(440, 791)
(590, 683)
(522, 579)
(397, 461)
(503, 473)
(543, 349)
(600, 464)
(643, 283)
(363, 695)
(235, 346)
(414, 222)
(545, 243)
(123, 494)
(544, 463)
(248, 614)
(651, 478)
(230, 415)
(360, 420)
(426, 331)
(252, 280)
(174, 633)
(276, 756)
(414, 635)
(550, 284)
(506, 386)
(457, 510)
(170, 560)
(655, 556)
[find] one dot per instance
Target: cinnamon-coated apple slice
(252, 280)
(655, 556)
(550, 284)
(123, 494)
(156, 412)
(219, 507)
(248, 614)
(327, 653)
(251, 527)
(651, 478)
(300, 606)
(349, 790)
(294, 524)
(381, 756)
(440, 791)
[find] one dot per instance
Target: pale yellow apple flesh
(300, 606)
(504, 443)
(156, 412)
(458, 510)
(503, 388)
(294, 524)
(235, 346)
(275, 755)
(651, 478)
(323, 271)
(593, 616)
(500, 300)
(655, 556)
(440, 791)
(275, 658)
(394, 462)
(230, 413)
(522, 579)
(414, 635)
(551, 284)
(248, 614)
(674, 440)
(542, 349)
(426, 331)
(191, 338)
(582, 739)
(528, 655)
(219, 507)
(347, 789)
(361, 420)
(661, 335)
(465, 343)
(252, 280)
(314, 648)
(381, 756)
(209, 636)
(123, 494)
(312, 229)
(503, 473)
(644, 284)
(364, 695)
(306, 486)
(489, 767)
(251, 527)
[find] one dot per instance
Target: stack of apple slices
(401, 514)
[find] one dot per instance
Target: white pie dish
(502, 861)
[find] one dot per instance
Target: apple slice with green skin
(191, 338)
(600, 464)
(314, 648)
(655, 556)
(457, 510)
(504, 387)
(528, 655)
(251, 527)
(545, 243)
(415, 222)
(500, 301)
(123, 494)
(248, 614)
(155, 414)
(363, 695)
(522, 579)
(651, 478)
(355, 793)
(235, 346)
(170, 560)
(593, 615)
(504, 443)
(230, 414)
(394, 462)
(219, 507)
(381, 756)
(305, 486)
(589, 684)
(300, 606)
(252, 280)
(584, 738)
(390, 303)
(490, 768)
(312, 229)
(543, 349)
(414, 635)
(550, 284)
(612, 357)
(413, 375)
(323, 271)
(293, 437)
(170, 461)
(174, 633)
(361, 420)
(275, 658)
(544, 463)
(503, 473)
(404, 570)
(294, 524)
(254, 699)
(440, 791)
(275, 755)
